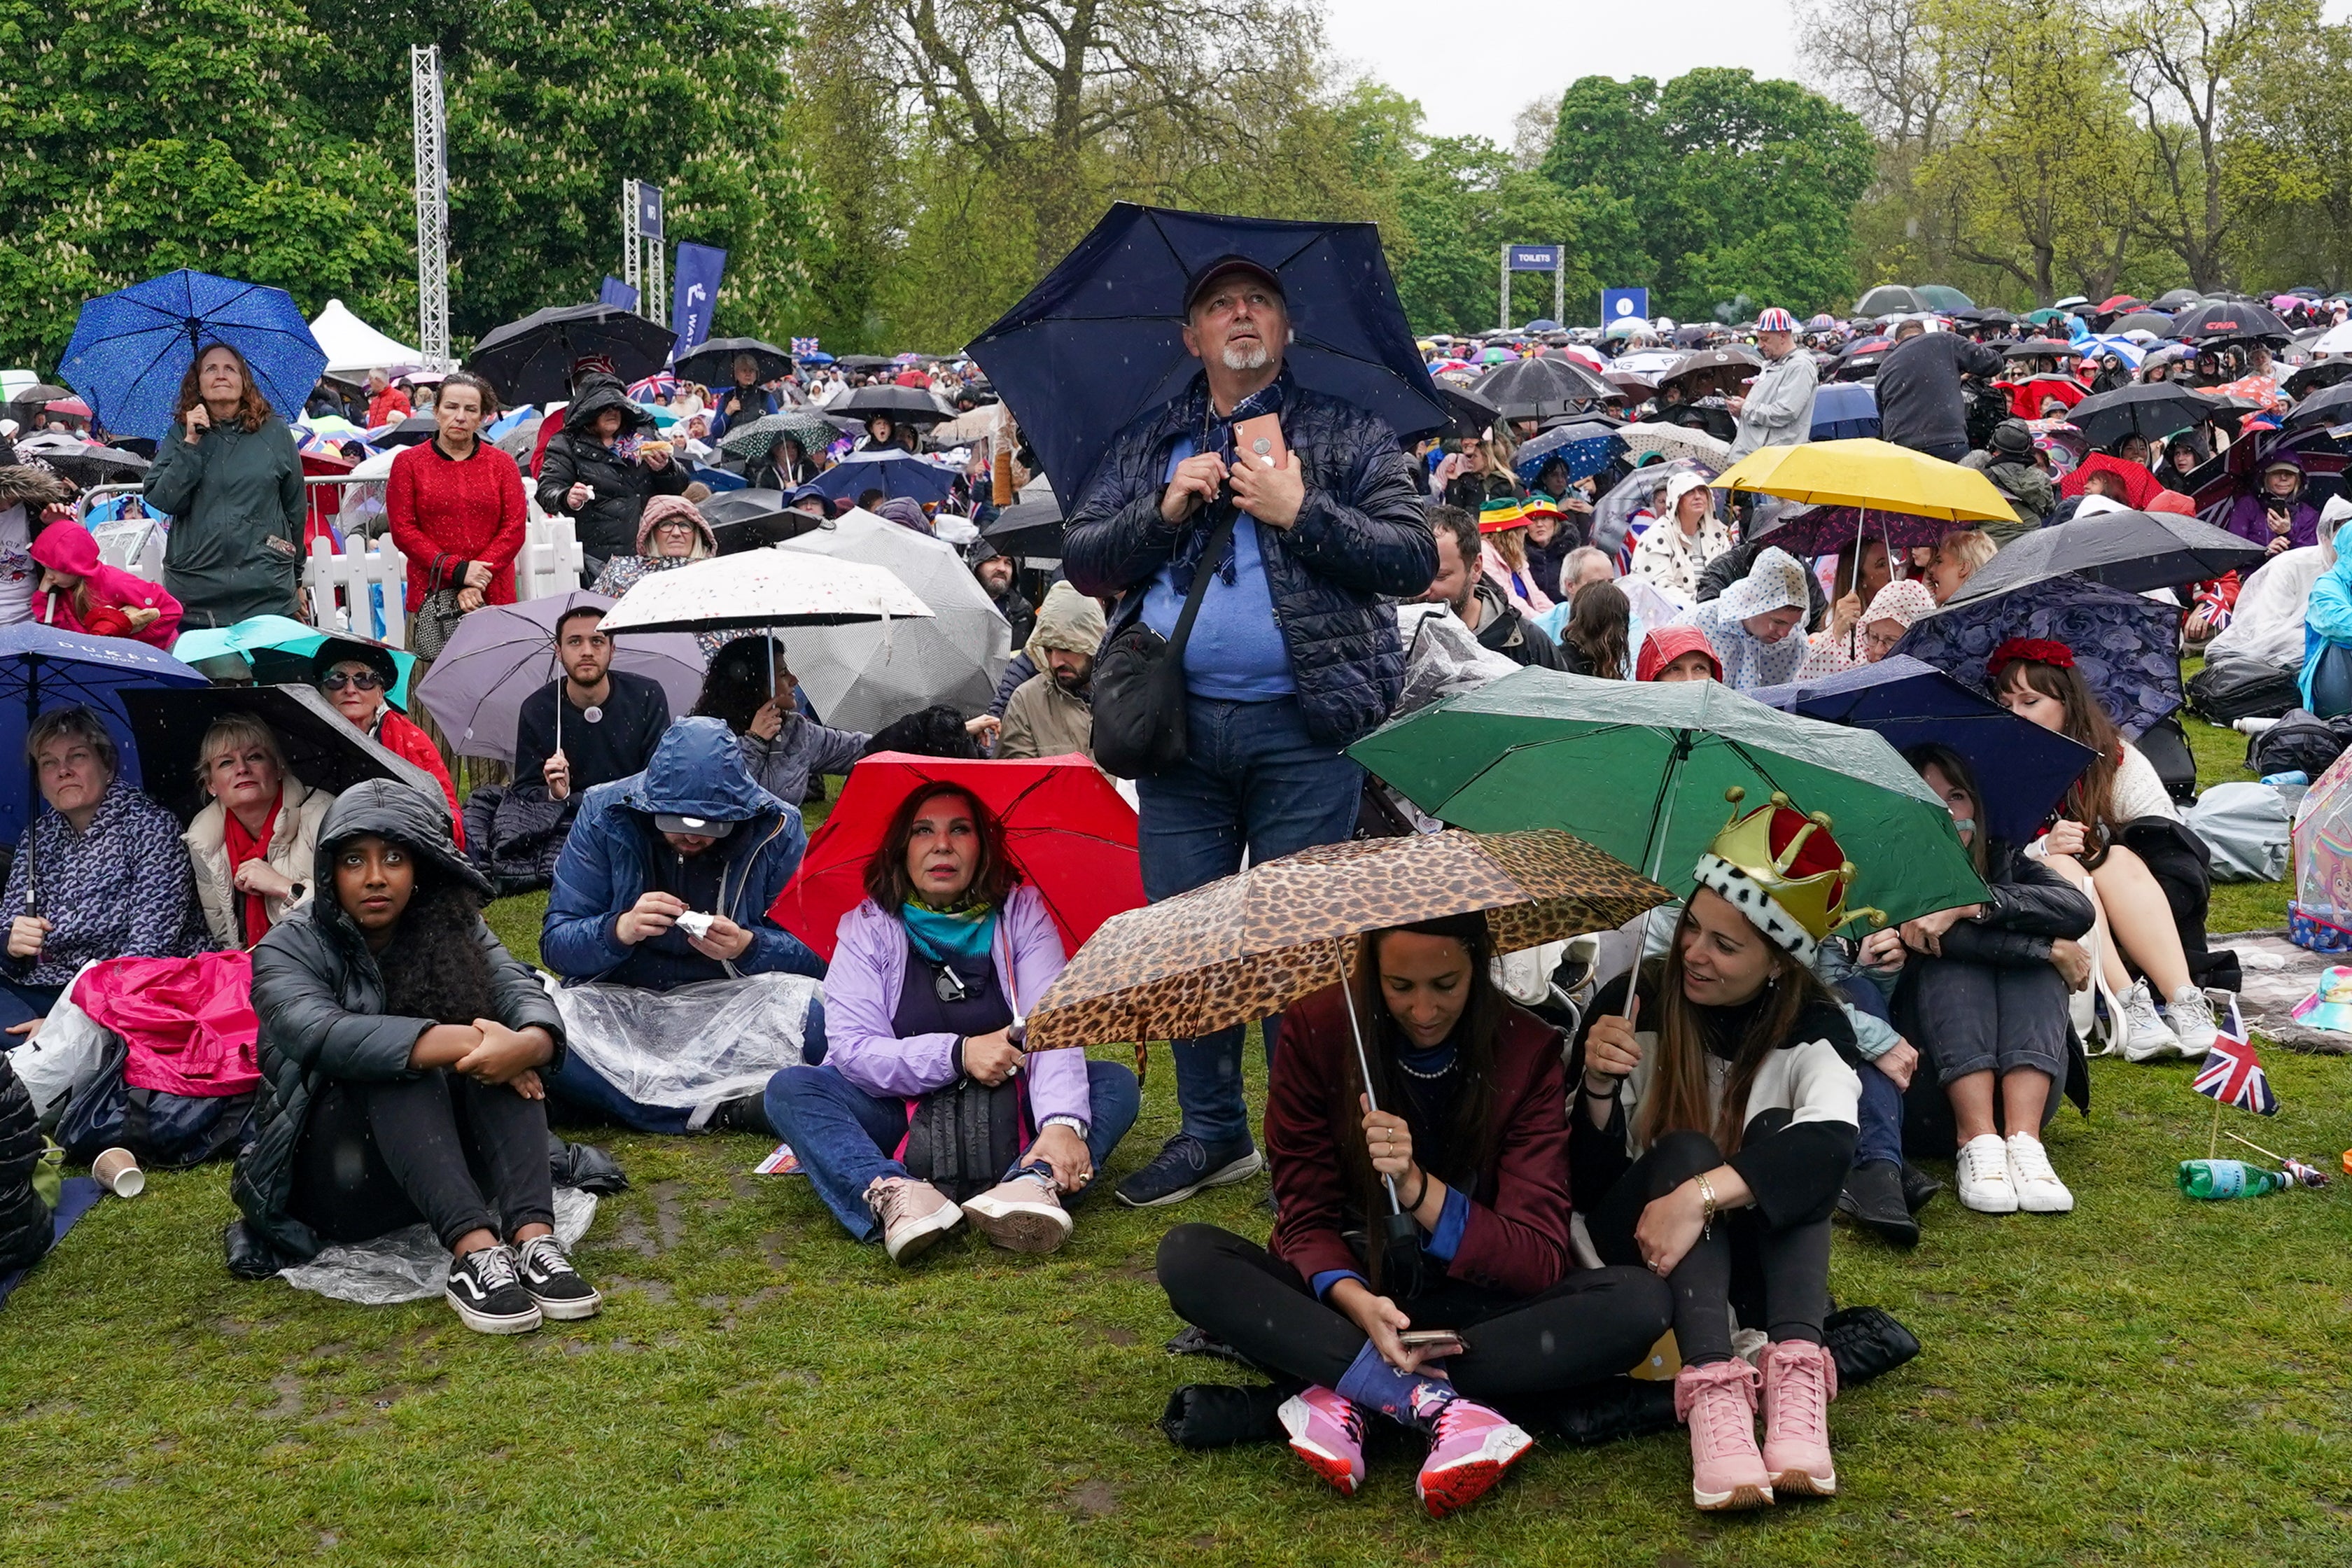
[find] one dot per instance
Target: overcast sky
(1475, 64)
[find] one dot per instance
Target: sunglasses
(364, 679)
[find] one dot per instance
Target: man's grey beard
(1253, 358)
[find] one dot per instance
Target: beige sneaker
(913, 1216)
(1023, 1214)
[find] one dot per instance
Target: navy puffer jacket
(1361, 533)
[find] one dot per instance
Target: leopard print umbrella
(1247, 945)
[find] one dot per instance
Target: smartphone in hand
(1259, 442)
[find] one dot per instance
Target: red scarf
(243, 847)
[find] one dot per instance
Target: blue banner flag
(698, 269)
(1624, 305)
(1534, 258)
(619, 295)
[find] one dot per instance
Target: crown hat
(1782, 870)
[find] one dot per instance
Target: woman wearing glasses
(356, 679)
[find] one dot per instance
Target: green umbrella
(812, 430)
(1640, 771)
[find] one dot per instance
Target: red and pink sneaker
(1470, 1447)
(1326, 1430)
(1717, 1401)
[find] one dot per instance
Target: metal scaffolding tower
(431, 135)
(633, 240)
(643, 240)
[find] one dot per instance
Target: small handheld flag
(2233, 1074)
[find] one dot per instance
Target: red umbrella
(1068, 830)
(72, 406)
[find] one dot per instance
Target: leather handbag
(1138, 686)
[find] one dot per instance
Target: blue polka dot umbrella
(131, 348)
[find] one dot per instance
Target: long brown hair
(252, 409)
(2091, 801)
(992, 878)
(1600, 627)
(1954, 768)
(1458, 1152)
(1679, 1097)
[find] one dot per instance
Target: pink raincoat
(68, 547)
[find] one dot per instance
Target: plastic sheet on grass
(410, 1264)
(699, 1045)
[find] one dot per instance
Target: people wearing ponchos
(1663, 646)
(1756, 654)
(1672, 553)
(2249, 514)
(2267, 621)
(1892, 611)
(2139, 486)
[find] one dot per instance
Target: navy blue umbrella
(1099, 342)
(1586, 446)
(130, 350)
(2126, 647)
(1843, 410)
(893, 473)
(2023, 769)
(42, 668)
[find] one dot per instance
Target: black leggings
(438, 1147)
(1593, 1325)
(1778, 1277)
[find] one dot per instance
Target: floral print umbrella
(2126, 646)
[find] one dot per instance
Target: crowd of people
(1673, 1164)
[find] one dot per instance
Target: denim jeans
(580, 1085)
(1251, 778)
(843, 1135)
(1879, 1135)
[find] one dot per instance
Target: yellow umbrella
(1876, 476)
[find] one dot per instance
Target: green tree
(2287, 164)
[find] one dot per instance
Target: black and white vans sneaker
(488, 1295)
(554, 1284)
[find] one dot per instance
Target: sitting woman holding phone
(1716, 1121)
(947, 952)
(1473, 1138)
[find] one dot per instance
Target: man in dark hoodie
(1475, 600)
(665, 882)
(599, 472)
(1921, 404)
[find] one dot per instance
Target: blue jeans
(1251, 777)
(1879, 1135)
(2331, 681)
(841, 1134)
(578, 1085)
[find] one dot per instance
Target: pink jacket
(68, 547)
(861, 993)
(1527, 595)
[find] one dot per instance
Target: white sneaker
(2038, 1188)
(2190, 1014)
(1983, 1176)
(2146, 1036)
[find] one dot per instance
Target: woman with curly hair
(231, 481)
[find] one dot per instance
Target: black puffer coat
(608, 523)
(321, 999)
(24, 1227)
(1361, 533)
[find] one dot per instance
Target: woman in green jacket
(231, 482)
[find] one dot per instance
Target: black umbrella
(530, 361)
(1994, 316)
(905, 404)
(2134, 551)
(2154, 411)
(2308, 379)
(1099, 342)
(2174, 298)
(83, 464)
(713, 363)
(2142, 320)
(321, 746)
(1469, 416)
(2330, 406)
(1542, 387)
(1718, 368)
(864, 362)
(2228, 321)
(409, 432)
(747, 519)
(2037, 348)
(1889, 299)
(1033, 529)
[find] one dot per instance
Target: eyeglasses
(364, 679)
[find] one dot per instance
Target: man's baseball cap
(701, 827)
(1204, 276)
(1776, 320)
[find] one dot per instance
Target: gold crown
(1816, 902)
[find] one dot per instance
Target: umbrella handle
(1364, 1070)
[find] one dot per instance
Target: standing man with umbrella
(1292, 657)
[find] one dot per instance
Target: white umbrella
(1676, 441)
(864, 676)
(2333, 340)
(758, 589)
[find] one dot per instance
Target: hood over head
(1903, 602)
(596, 394)
(1668, 644)
(67, 547)
(416, 819)
(665, 509)
(698, 771)
(905, 513)
(1067, 620)
(1776, 582)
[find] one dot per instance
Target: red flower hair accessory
(2032, 650)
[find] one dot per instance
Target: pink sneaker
(1800, 1381)
(1719, 1403)
(1326, 1430)
(1469, 1450)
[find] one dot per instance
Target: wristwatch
(1072, 1122)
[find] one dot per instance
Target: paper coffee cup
(118, 1172)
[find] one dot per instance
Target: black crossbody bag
(1138, 686)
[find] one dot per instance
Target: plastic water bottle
(2217, 1179)
(2296, 776)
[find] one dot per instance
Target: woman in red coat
(456, 504)
(1472, 1139)
(356, 679)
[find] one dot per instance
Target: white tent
(353, 347)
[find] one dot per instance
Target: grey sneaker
(2190, 1013)
(2146, 1036)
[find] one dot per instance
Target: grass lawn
(2148, 1381)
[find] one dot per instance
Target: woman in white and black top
(1715, 1125)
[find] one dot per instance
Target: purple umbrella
(1805, 530)
(501, 654)
(2126, 646)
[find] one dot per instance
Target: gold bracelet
(1706, 1208)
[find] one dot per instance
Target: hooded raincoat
(2267, 621)
(1777, 582)
(68, 547)
(237, 507)
(1043, 719)
(320, 997)
(609, 862)
(608, 518)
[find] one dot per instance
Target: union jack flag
(804, 346)
(2231, 1072)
